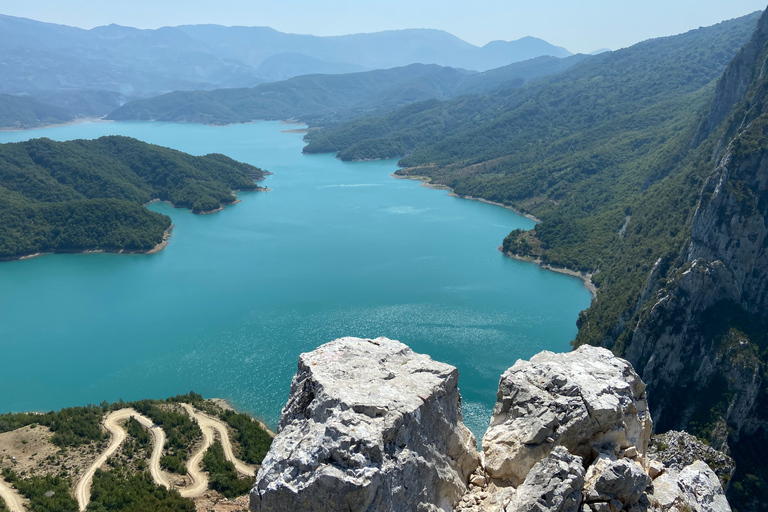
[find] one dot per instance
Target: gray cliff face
(693, 335)
(731, 227)
(676, 345)
(735, 81)
(370, 425)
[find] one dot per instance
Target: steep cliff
(701, 342)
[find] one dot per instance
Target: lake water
(334, 249)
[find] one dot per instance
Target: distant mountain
(90, 72)
(323, 99)
(288, 65)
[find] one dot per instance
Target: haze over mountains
(323, 99)
(91, 72)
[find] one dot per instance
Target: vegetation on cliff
(89, 194)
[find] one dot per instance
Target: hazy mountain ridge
(123, 63)
(323, 99)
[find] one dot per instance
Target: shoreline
(157, 248)
(79, 120)
(425, 182)
(585, 277)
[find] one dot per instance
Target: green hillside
(24, 112)
(583, 150)
(89, 194)
(324, 99)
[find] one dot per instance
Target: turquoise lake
(334, 249)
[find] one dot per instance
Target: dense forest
(89, 194)
(322, 99)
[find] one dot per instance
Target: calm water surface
(334, 249)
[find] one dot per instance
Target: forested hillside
(89, 194)
(23, 112)
(323, 99)
(584, 151)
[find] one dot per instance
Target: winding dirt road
(83, 489)
(12, 499)
(209, 426)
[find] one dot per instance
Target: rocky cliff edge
(371, 425)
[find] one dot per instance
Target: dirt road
(12, 499)
(83, 489)
(209, 426)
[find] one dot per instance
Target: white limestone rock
(554, 484)
(609, 479)
(696, 489)
(588, 401)
(369, 426)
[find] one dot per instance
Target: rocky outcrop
(587, 401)
(555, 484)
(370, 425)
(677, 450)
(695, 488)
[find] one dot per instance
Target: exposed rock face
(608, 480)
(370, 425)
(695, 488)
(735, 81)
(677, 450)
(699, 339)
(587, 401)
(553, 484)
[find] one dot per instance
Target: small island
(91, 195)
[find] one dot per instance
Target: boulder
(369, 425)
(588, 401)
(608, 480)
(678, 450)
(554, 484)
(696, 488)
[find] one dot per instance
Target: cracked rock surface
(587, 401)
(369, 425)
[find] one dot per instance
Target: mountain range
(324, 99)
(91, 72)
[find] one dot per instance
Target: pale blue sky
(579, 25)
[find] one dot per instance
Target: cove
(333, 249)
